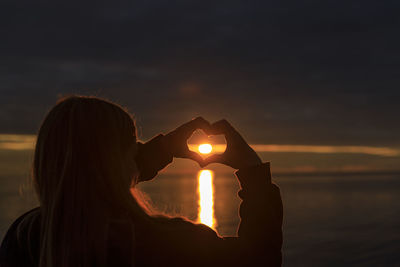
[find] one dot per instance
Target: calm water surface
(329, 220)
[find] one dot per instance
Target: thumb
(217, 158)
(196, 157)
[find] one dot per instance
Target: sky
(283, 72)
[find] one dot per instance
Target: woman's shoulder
(22, 234)
(23, 222)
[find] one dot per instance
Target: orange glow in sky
(206, 198)
(205, 148)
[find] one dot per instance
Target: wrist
(250, 162)
(256, 176)
(153, 156)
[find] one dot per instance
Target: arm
(259, 239)
(260, 231)
(261, 212)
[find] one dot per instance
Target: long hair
(83, 170)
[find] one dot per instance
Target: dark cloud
(311, 72)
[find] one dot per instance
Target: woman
(86, 160)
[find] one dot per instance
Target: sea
(329, 220)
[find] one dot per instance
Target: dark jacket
(259, 240)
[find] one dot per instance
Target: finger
(217, 158)
(223, 127)
(196, 157)
(197, 123)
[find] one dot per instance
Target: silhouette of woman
(86, 160)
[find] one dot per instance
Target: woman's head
(84, 165)
(84, 138)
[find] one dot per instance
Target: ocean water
(345, 220)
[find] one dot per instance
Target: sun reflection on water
(206, 198)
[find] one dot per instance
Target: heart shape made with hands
(206, 145)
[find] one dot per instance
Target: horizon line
(27, 142)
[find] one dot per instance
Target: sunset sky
(320, 73)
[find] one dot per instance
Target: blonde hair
(83, 169)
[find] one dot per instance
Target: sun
(205, 148)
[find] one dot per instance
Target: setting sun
(205, 148)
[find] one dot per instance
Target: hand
(157, 153)
(238, 153)
(177, 139)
